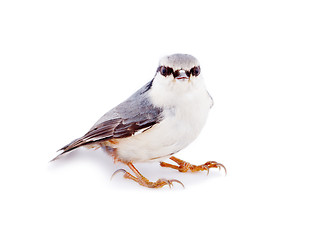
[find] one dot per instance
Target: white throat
(168, 92)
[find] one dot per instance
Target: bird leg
(140, 179)
(185, 166)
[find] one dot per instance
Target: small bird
(157, 121)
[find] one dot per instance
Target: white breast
(185, 114)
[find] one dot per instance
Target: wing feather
(133, 115)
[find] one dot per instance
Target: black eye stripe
(165, 71)
(177, 73)
(195, 71)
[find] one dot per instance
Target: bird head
(177, 75)
(179, 72)
(182, 68)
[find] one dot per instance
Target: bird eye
(195, 71)
(165, 71)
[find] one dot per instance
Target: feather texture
(135, 114)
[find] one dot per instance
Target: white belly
(181, 125)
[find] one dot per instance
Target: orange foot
(140, 179)
(185, 166)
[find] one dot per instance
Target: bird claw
(117, 171)
(145, 182)
(185, 166)
(170, 182)
(213, 164)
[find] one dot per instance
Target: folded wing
(135, 114)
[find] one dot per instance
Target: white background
(63, 64)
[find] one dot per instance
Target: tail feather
(69, 147)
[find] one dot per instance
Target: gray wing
(135, 114)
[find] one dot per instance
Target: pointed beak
(181, 75)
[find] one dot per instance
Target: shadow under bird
(157, 121)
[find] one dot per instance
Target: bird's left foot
(141, 180)
(185, 166)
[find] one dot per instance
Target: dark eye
(165, 71)
(195, 71)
